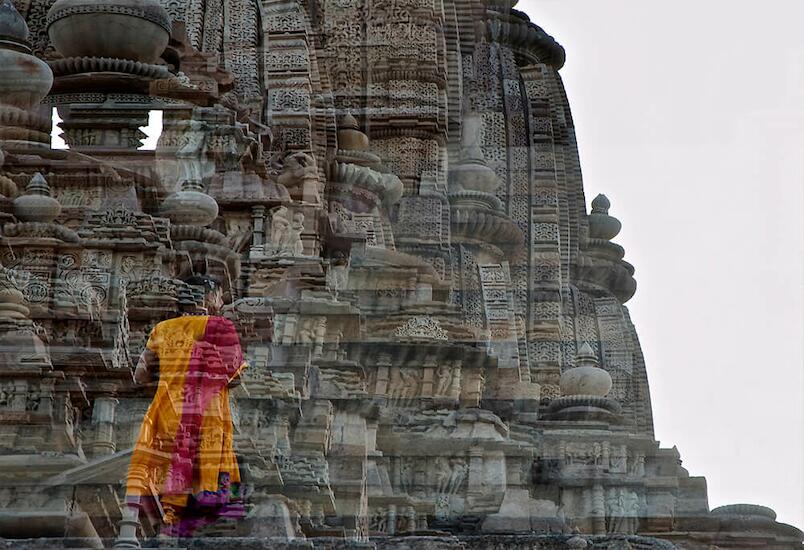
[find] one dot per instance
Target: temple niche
(389, 190)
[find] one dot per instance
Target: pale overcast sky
(690, 118)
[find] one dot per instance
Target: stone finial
(350, 138)
(587, 378)
(586, 356)
(13, 29)
(24, 79)
(37, 204)
(601, 204)
(190, 206)
(472, 173)
(348, 122)
(80, 29)
(601, 225)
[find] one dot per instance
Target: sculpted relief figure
(406, 474)
(299, 175)
(450, 474)
(457, 475)
(286, 230)
(410, 383)
(296, 167)
(444, 377)
(190, 154)
(280, 225)
(622, 511)
(293, 242)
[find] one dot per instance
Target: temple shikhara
(390, 194)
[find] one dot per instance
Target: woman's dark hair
(207, 283)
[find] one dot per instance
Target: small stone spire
(587, 378)
(601, 204)
(586, 356)
(37, 203)
(601, 225)
(472, 173)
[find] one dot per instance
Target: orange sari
(184, 453)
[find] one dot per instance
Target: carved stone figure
(189, 155)
(293, 242)
(444, 377)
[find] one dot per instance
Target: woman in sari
(184, 455)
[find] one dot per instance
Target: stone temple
(390, 190)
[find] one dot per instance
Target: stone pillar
(383, 375)
(127, 537)
(598, 510)
(427, 377)
(347, 463)
(391, 519)
(258, 221)
(103, 413)
(410, 516)
(477, 473)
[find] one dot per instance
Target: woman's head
(213, 292)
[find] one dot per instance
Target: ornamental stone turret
(600, 266)
(601, 224)
(584, 391)
(587, 378)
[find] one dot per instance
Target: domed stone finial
(190, 206)
(136, 30)
(349, 122)
(13, 29)
(601, 204)
(37, 204)
(24, 79)
(601, 225)
(350, 138)
(587, 378)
